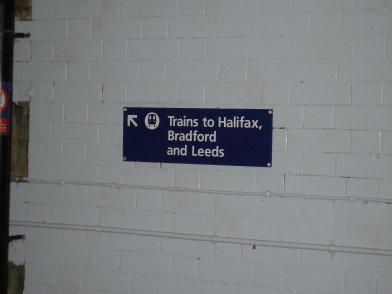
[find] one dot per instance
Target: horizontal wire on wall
(265, 194)
(331, 248)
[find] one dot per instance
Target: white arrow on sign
(131, 119)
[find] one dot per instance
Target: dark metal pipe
(7, 28)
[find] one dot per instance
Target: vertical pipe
(7, 23)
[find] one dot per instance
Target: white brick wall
(324, 66)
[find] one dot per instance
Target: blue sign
(241, 137)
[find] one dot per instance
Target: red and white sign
(5, 109)
(3, 100)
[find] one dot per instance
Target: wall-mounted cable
(332, 248)
(265, 194)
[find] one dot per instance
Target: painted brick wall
(324, 66)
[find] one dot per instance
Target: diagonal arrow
(131, 119)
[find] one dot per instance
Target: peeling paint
(23, 10)
(20, 140)
(16, 278)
